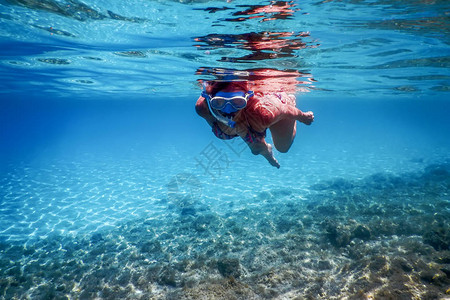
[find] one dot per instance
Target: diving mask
(238, 100)
(227, 102)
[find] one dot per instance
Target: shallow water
(112, 187)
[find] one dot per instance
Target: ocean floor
(385, 236)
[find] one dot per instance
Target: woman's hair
(212, 87)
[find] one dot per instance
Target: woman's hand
(306, 117)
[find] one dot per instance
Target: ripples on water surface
(104, 191)
(152, 47)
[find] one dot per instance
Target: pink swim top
(261, 112)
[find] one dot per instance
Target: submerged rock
(229, 267)
(228, 288)
(152, 247)
(401, 264)
(96, 237)
(188, 211)
(337, 184)
(337, 234)
(283, 225)
(361, 232)
(167, 277)
(437, 172)
(439, 238)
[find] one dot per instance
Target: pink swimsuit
(261, 112)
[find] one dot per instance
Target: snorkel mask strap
(229, 122)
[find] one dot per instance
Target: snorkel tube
(227, 121)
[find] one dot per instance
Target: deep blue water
(112, 187)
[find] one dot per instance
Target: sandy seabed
(385, 236)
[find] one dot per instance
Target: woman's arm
(201, 107)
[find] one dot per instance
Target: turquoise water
(111, 187)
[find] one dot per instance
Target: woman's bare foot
(306, 117)
(265, 150)
(270, 158)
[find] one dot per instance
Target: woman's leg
(283, 134)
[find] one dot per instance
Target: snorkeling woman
(232, 110)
